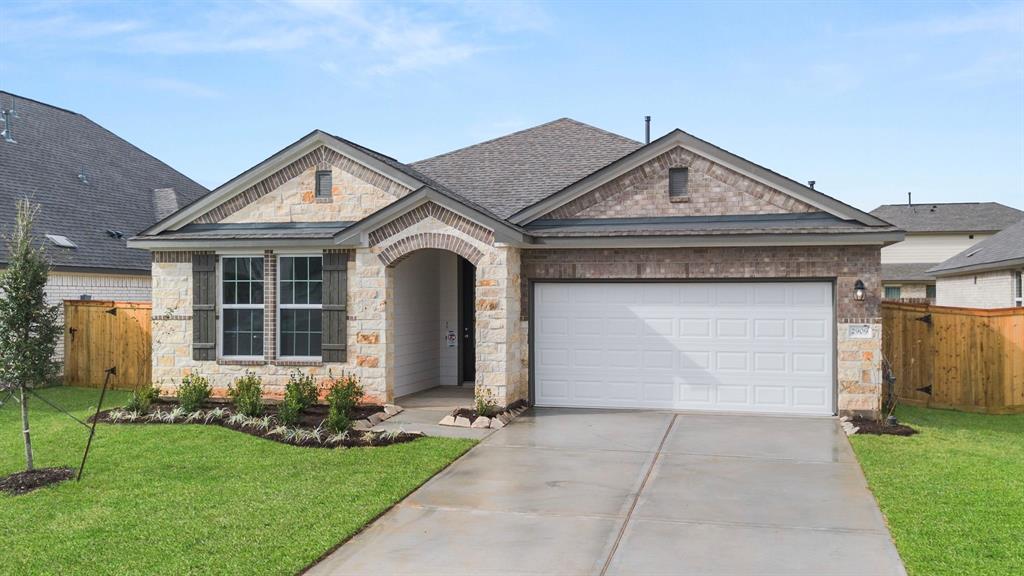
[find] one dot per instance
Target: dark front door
(467, 321)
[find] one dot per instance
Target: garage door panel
(760, 347)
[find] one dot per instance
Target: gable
(713, 190)
(289, 194)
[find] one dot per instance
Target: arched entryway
(433, 321)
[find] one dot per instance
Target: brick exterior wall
(982, 290)
(73, 285)
(858, 361)
(713, 190)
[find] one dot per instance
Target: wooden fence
(99, 334)
(972, 359)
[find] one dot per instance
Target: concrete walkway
(626, 492)
(423, 410)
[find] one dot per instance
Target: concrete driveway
(629, 492)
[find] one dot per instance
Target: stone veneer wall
(172, 331)
(713, 190)
(858, 360)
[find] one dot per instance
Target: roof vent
(61, 241)
(115, 233)
(7, 116)
(647, 129)
(82, 177)
(811, 183)
(973, 252)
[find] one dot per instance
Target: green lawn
(192, 499)
(953, 494)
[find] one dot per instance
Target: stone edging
(499, 421)
(374, 419)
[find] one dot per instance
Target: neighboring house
(989, 274)
(935, 232)
(95, 190)
(562, 263)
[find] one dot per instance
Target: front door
(467, 321)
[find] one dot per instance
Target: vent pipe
(811, 183)
(647, 129)
(909, 203)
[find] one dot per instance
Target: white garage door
(740, 347)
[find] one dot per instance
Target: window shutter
(335, 316)
(204, 307)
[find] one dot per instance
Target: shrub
(247, 392)
(142, 398)
(300, 393)
(194, 390)
(486, 404)
(345, 392)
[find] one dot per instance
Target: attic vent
(679, 184)
(82, 176)
(973, 252)
(115, 233)
(323, 184)
(62, 241)
(7, 116)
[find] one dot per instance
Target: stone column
(369, 326)
(498, 334)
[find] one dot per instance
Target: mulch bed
(23, 482)
(879, 428)
(309, 419)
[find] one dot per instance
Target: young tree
(28, 325)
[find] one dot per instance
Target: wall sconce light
(858, 291)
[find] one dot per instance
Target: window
(1018, 289)
(929, 291)
(301, 308)
(323, 184)
(242, 307)
(679, 184)
(892, 292)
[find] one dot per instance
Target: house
(935, 232)
(563, 264)
(95, 190)
(989, 274)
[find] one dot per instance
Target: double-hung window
(242, 307)
(301, 306)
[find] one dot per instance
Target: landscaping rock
(391, 409)
(462, 421)
(482, 422)
(496, 423)
(448, 420)
(379, 417)
(504, 418)
(361, 425)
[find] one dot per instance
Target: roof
(1002, 250)
(512, 172)
(949, 217)
(54, 147)
(913, 271)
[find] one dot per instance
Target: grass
(953, 494)
(190, 499)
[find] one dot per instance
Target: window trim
(1018, 288)
(221, 307)
(280, 306)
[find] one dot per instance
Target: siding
(983, 290)
(928, 248)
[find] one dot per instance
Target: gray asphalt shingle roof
(951, 217)
(1006, 247)
(53, 147)
(512, 172)
(911, 271)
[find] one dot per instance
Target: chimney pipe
(811, 183)
(647, 129)
(909, 203)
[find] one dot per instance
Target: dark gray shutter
(678, 182)
(204, 307)
(335, 320)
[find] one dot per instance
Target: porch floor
(424, 409)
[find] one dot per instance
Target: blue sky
(871, 100)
